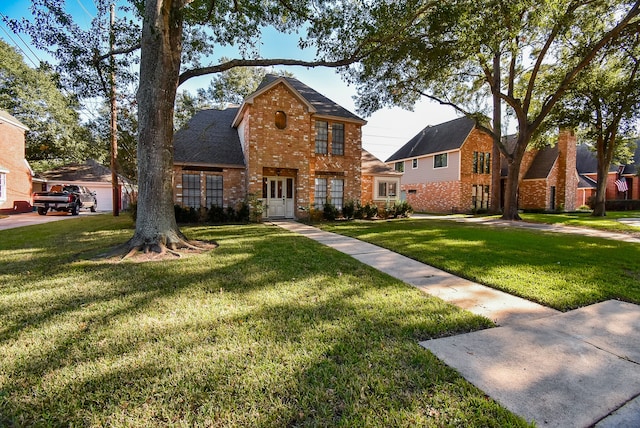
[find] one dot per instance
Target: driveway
(31, 218)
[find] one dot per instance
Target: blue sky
(386, 130)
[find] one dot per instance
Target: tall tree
(605, 104)
(448, 50)
(34, 97)
(175, 35)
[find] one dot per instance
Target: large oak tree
(448, 54)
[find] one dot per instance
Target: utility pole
(114, 116)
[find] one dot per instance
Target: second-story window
(337, 139)
(440, 161)
(322, 136)
(414, 163)
(399, 166)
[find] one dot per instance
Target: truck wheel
(93, 207)
(75, 209)
(42, 211)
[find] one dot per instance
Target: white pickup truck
(69, 198)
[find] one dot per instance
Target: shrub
(242, 214)
(349, 209)
(329, 212)
(370, 210)
(402, 209)
(186, 214)
(217, 214)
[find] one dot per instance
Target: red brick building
(286, 144)
(15, 172)
(447, 168)
(380, 182)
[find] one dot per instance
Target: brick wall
(233, 180)
(442, 197)
(18, 179)
(269, 148)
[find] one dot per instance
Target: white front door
(280, 192)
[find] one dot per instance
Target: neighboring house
(96, 177)
(380, 182)
(622, 180)
(549, 180)
(288, 145)
(447, 167)
(15, 173)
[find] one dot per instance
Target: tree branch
(263, 63)
(609, 36)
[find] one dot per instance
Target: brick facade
(452, 190)
(17, 176)
(276, 129)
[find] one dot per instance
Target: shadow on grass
(561, 271)
(270, 329)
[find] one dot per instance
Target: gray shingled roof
(208, 138)
(542, 163)
(435, 139)
(91, 170)
(633, 167)
(585, 182)
(586, 161)
(371, 165)
(322, 104)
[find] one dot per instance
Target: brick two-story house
(447, 168)
(286, 144)
(15, 172)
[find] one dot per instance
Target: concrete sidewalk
(574, 369)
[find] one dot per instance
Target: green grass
(609, 222)
(557, 270)
(268, 330)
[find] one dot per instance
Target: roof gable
(371, 165)
(444, 137)
(209, 138)
(542, 163)
(7, 118)
(315, 102)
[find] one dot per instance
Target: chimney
(567, 185)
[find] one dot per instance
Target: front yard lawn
(609, 222)
(557, 270)
(268, 330)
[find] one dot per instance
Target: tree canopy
(34, 96)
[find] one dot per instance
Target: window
(337, 139)
(322, 137)
(414, 163)
(214, 190)
(281, 119)
(320, 193)
(337, 192)
(479, 196)
(191, 190)
(481, 163)
(3, 186)
(387, 189)
(399, 166)
(440, 161)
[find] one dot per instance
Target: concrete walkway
(574, 369)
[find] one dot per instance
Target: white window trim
(440, 154)
(376, 183)
(414, 163)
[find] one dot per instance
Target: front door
(280, 197)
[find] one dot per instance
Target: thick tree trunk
(604, 153)
(161, 48)
(496, 190)
(511, 192)
(513, 178)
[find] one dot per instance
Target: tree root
(157, 250)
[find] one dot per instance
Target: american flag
(621, 183)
